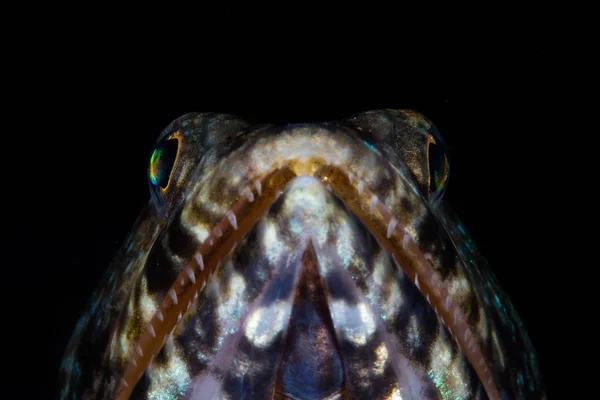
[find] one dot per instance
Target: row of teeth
(374, 203)
(435, 280)
(190, 272)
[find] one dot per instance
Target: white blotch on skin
(382, 355)
(230, 310)
(274, 247)
(170, 380)
(344, 241)
(445, 368)
(383, 271)
(265, 323)
(357, 324)
(147, 304)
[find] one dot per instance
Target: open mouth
(342, 307)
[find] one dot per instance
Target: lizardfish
(299, 261)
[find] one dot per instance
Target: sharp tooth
(200, 261)
(481, 362)
(350, 178)
(124, 383)
(455, 315)
(195, 295)
(182, 281)
(188, 306)
(218, 232)
(249, 195)
(448, 303)
(429, 301)
(374, 201)
(490, 381)
(210, 242)
(173, 296)
(151, 330)
(139, 351)
(159, 316)
(190, 274)
(417, 281)
(232, 219)
(391, 227)
(405, 240)
(360, 187)
(258, 187)
(203, 284)
(467, 333)
(179, 317)
(134, 363)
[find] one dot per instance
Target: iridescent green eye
(162, 161)
(438, 168)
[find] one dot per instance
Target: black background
(90, 102)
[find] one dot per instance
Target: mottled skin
(302, 261)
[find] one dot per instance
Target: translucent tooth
(232, 219)
(218, 232)
(374, 201)
(360, 186)
(139, 351)
(199, 260)
(391, 227)
(160, 316)
(190, 274)
(173, 296)
(417, 281)
(151, 330)
(249, 195)
(258, 187)
(124, 383)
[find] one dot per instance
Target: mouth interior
(249, 209)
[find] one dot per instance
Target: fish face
(313, 261)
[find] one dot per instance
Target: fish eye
(162, 162)
(438, 168)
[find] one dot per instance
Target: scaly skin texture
(313, 261)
